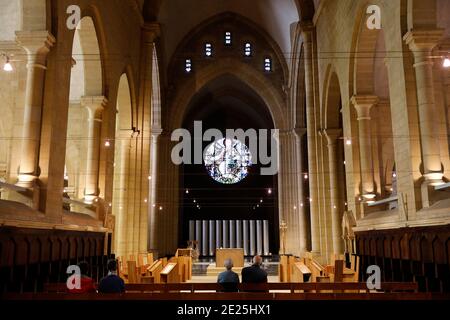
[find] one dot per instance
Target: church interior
(338, 175)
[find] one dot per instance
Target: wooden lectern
(237, 255)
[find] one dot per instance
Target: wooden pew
(358, 289)
(170, 273)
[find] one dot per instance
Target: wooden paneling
(419, 254)
(31, 257)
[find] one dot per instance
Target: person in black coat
(254, 273)
(112, 283)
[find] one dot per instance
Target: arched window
(208, 50)
(248, 49)
(188, 65)
(268, 64)
(228, 38)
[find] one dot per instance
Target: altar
(235, 254)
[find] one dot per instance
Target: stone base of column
(369, 197)
(26, 180)
(428, 193)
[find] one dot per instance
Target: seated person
(86, 283)
(112, 283)
(228, 279)
(254, 273)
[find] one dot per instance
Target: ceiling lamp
(7, 66)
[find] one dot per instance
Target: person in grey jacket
(228, 279)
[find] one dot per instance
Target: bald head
(257, 260)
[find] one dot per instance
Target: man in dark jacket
(254, 273)
(112, 283)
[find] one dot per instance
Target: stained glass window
(227, 161)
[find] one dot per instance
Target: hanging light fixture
(446, 62)
(7, 66)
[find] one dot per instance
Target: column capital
(35, 42)
(156, 132)
(300, 132)
(306, 26)
(423, 40)
(152, 31)
(332, 135)
(363, 104)
(94, 104)
(124, 133)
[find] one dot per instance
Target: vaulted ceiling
(178, 17)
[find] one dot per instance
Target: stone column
(288, 184)
(94, 106)
(421, 43)
(122, 194)
(302, 221)
(363, 104)
(308, 37)
(37, 45)
(154, 207)
(332, 136)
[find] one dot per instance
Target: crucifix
(283, 228)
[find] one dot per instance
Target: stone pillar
(421, 43)
(154, 207)
(308, 37)
(332, 136)
(302, 221)
(122, 194)
(363, 104)
(94, 106)
(288, 186)
(37, 45)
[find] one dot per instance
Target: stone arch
(369, 79)
(275, 51)
(254, 79)
(332, 100)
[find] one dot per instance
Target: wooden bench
(311, 287)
